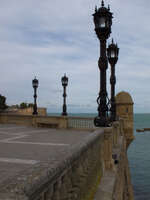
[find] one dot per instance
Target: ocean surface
(139, 158)
(138, 155)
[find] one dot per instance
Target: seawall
(98, 162)
(95, 169)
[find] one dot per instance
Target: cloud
(50, 38)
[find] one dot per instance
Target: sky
(49, 38)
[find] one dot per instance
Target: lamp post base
(101, 122)
(64, 114)
(35, 113)
(113, 118)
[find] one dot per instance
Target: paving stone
(21, 147)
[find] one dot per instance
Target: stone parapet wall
(99, 161)
(48, 121)
(116, 181)
(122, 187)
(74, 176)
(6, 118)
(30, 120)
(100, 158)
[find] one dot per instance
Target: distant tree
(3, 105)
(30, 105)
(17, 106)
(23, 105)
(14, 106)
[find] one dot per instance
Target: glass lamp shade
(102, 22)
(35, 83)
(64, 80)
(112, 51)
(112, 54)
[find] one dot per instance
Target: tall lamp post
(112, 53)
(64, 81)
(103, 21)
(35, 84)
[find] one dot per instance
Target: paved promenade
(21, 147)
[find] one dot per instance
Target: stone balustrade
(80, 123)
(48, 121)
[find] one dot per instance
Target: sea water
(139, 158)
(138, 155)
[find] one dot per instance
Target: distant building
(26, 111)
(29, 111)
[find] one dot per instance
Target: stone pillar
(121, 126)
(63, 122)
(116, 133)
(108, 141)
(34, 119)
(124, 110)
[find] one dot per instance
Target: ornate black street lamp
(35, 84)
(64, 81)
(112, 53)
(103, 21)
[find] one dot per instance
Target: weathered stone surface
(124, 109)
(99, 160)
(69, 177)
(116, 181)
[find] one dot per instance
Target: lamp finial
(95, 8)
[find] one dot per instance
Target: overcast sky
(48, 38)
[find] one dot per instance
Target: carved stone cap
(124, 98)
(108, 132)
(115, 124)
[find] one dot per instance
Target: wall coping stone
(31, 116)
(108, 181)
(25, 185)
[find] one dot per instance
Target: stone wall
(36, 121)
(74, 177)
(124, 108)
(116, 181)
(99, 161)
(98, 164)
(48, 121)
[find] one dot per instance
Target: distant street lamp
(103, 21)
(35, 84)
(64, 81)
(112, 53)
